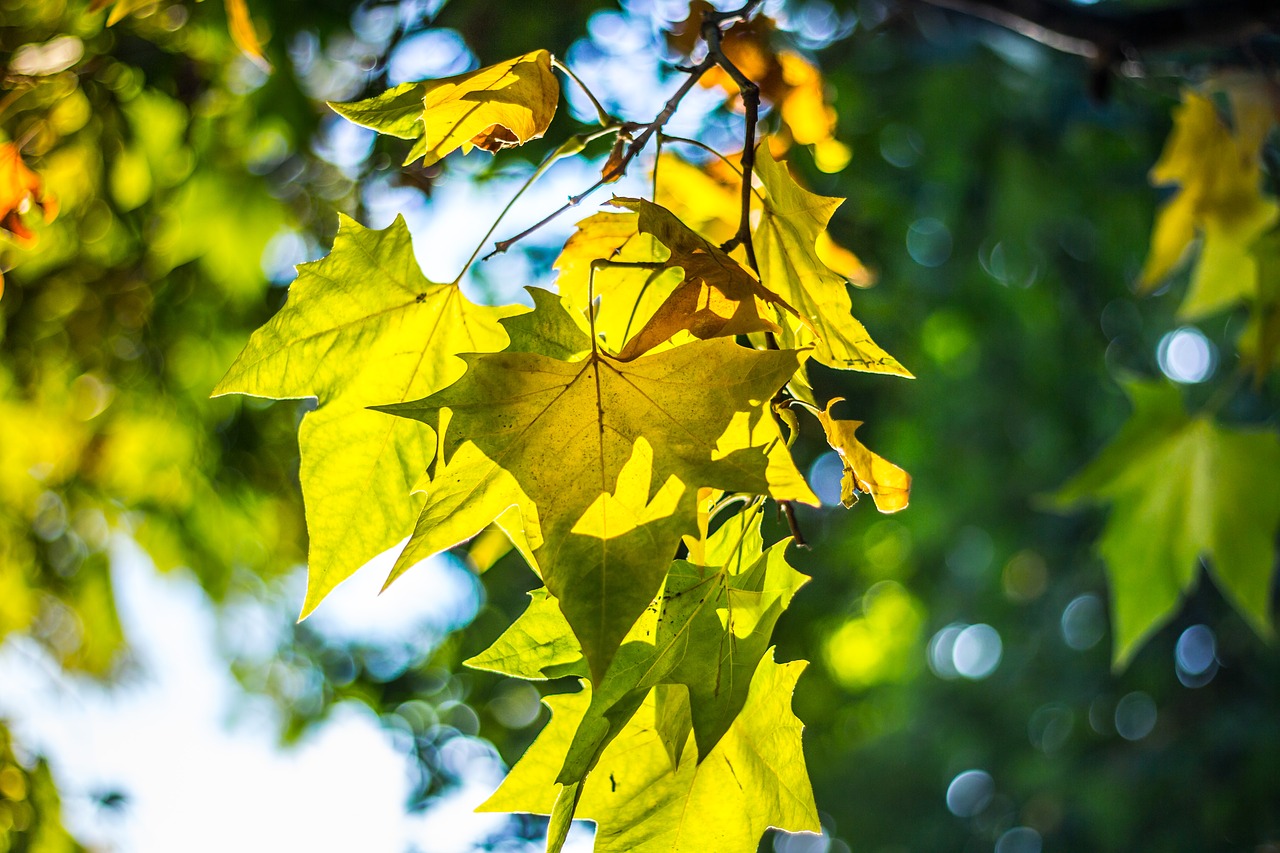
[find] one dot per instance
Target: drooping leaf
(1182, 489)
(362, 326)
(786, 241)
(496, 107)
(864, 471)
(754, 778)
(610, 456)
(1218, 172)
(718, 298)
(706, 632)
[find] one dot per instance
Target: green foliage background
(175, 163)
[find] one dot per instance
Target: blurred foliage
(1006, 213)
(30, 819)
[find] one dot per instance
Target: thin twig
(750, 92)
(1108, 36)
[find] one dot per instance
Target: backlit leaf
(496, 107)
(1218, 172)
(786, 247)
(362, 327)
(610, 456)
(754, 778)
(1182, 489)
(864, 471)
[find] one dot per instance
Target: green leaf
(755, 778)
(537, 646)
(1182, 488)
(361, 327)
(786, 247)
(496, 107)
(610, 457)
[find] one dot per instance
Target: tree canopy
(1009, 271)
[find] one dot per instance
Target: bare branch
(1106, 36)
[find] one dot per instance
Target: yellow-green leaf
(1218, 172)
(1182, 488)
(610, 456)
(755, 778)
(361, 327)
(864, 471)
(496, 107)
(786, 247)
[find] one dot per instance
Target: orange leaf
(19, 189)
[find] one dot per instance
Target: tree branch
(1106, 36)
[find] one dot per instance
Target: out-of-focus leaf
(20, 189)
(1182, 489)
(243, 34)
(496, 107)
(1218, 173)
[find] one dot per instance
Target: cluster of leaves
(620, 424)
(1184, 487)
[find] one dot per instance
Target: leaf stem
(707, 148)
(602, 115)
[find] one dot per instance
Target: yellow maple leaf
(496, 107)
(1218, 172)
(864, 471)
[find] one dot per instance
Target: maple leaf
(1218, 173)
(496, 107)
(755, 778)
(705, 634)
(717, 298)
(1182, 488)
(864, 471)
(620, 298)
(785, 79)
(709, 200)
(785, 242)
(362, 326)
(608, 456)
